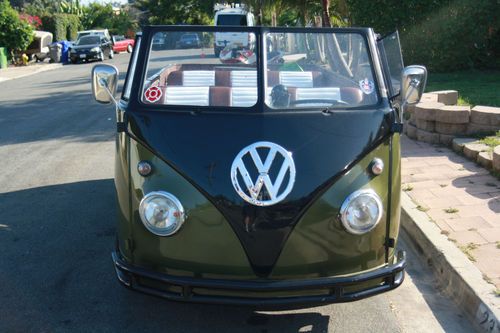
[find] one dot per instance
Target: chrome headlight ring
(361, 211)
(161, 213)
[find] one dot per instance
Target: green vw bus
(267, 175)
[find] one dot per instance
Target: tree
(15, 34)
(71, 7)
(102, 16)
(176, 11)
(41, 7)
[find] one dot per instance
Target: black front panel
(202, 147)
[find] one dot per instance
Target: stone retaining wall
(437, 118)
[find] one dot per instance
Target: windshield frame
(260, 106)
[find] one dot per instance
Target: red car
(122, 44)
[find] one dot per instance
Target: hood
(202, 147)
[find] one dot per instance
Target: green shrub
(442, 35)
(63, 26)
(15, 34)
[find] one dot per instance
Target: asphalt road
(57, 220)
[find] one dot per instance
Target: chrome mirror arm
(414, 83)
(104, 83)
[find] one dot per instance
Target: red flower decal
(153, 94)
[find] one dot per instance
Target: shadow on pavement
(71, 116)
(56, 273)
(482, 187)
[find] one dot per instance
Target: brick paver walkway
(462, 198)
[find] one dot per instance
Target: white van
(233, 17)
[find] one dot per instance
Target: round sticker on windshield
(153, 94)
(367, 86)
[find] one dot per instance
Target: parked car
(100, 32)
(38, 50)
(189, 41)
(159, 42)
(91, 47)
(122, 44)
(264, 183)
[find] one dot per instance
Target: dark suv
(91, 47)
(189, 41)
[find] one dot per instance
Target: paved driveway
(57, 231)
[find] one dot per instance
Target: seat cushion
(351, 95)
(243, 96)
(179, 95)
(220, 96)
(331, 93)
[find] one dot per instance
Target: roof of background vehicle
(40, 34)
(93, 31)
(232, 11)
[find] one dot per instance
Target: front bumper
(253, 293)
(88, 56)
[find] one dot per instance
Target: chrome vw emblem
(277, 164)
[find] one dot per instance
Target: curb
(40, 69)
(455, 274)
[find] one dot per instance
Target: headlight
(161, 213)
(95, 49)
(361, 211)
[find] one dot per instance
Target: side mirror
(104, 83)
(413, 83)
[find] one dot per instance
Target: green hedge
(63, 26)
(442, 35)
(15, 34)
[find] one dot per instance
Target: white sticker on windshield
(367, 86)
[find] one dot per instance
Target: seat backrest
(179, 95)
(198, 78)
(243, 96)
(244, 78)
(296, 79)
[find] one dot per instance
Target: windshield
(307, 71)
(318, 70)
(88, 40)
(227, 19)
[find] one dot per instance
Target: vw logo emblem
(264, 160)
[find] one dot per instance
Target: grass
(422, 208)
(474, 87)
(467, 250)
(451, 210)
(491, 141)
(407, 188)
